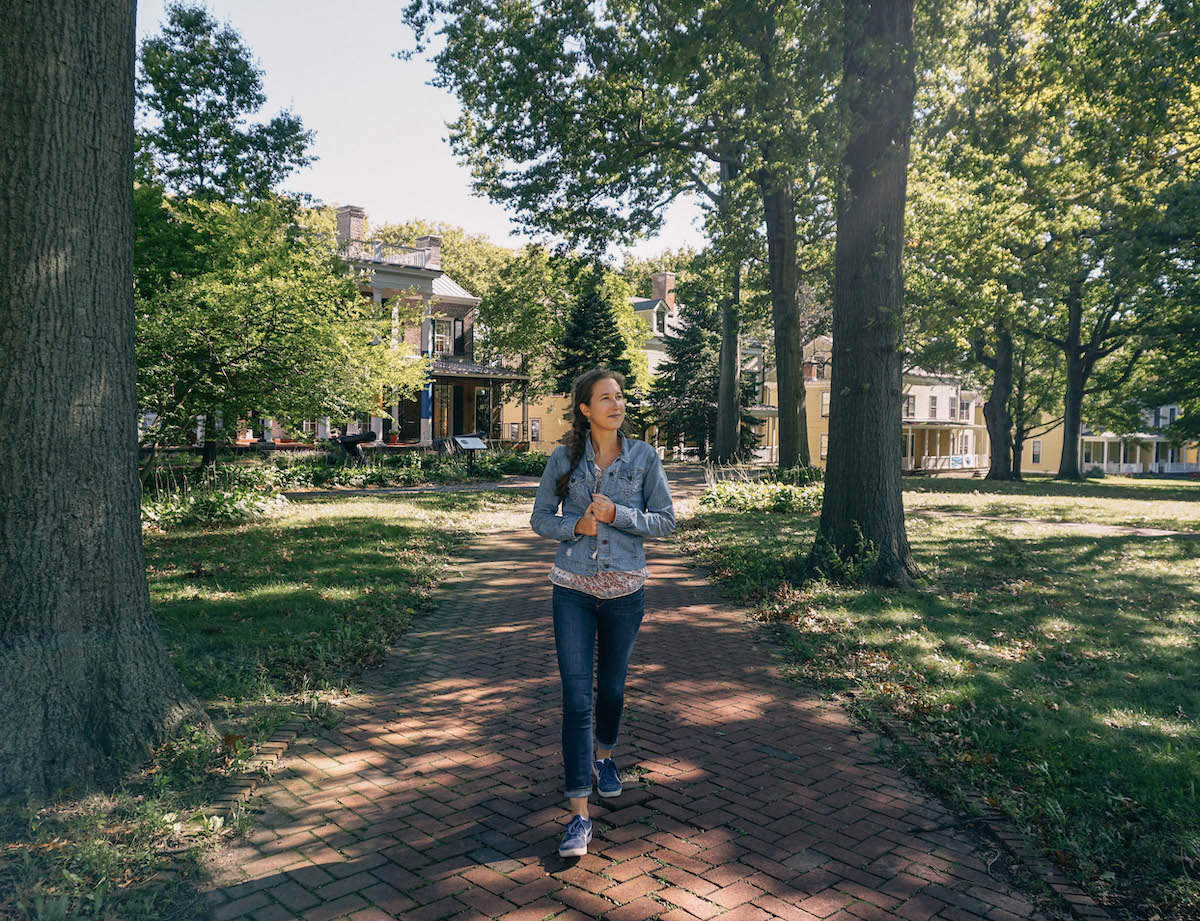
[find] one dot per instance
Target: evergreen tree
(593, 337)
(683, 397)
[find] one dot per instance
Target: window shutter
(459, 339)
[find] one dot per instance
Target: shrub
(796, 476)
(764, 497)
(530, 463)
(1095, 472)
(211, 505)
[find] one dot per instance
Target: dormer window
(660, 320)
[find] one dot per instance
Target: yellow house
(941, 423)
(1147, 451)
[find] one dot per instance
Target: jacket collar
(589, 452)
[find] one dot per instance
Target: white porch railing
(1179, 467)
(374, 251)
(951, 462)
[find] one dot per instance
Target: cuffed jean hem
(578, 794)
(609, 745)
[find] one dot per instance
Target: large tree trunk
(84, 677)
(995, 410)
(862, 517)
(1068, 467)
(729, 404)
(779, 211)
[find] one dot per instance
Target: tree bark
(85, 679)
(729, 404)
(779, 211)
(995, 410)
(1068, 467)
(862, 517)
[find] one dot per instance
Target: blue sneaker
(575, 841)
(608, 780)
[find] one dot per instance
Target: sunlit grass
(1056, 672)
(1172, 504)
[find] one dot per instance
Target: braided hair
(576, 439)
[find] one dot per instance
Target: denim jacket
(637, 485)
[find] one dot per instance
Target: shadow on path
(439, 793)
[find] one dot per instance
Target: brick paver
(438, 795)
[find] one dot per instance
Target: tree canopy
(198, 87)
(267, 319)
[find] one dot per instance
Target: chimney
(662, 287)
(433, 248)
(350, 221)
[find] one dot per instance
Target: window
(1035, 451)
(824, 447)
(932, 407)
(1171, 415)
(1087, 453)
(535, 429)
(821, 368)
(514, 431)
(966, 442)
(442, 343)
(824, 402)
(910, 406)
(953, 409)
(964, 409)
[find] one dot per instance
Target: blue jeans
(580, 621)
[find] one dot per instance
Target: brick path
(438, 794)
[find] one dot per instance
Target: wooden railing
(387, 253)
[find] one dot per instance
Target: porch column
(427, 390)
(268, 434)
(323, 427)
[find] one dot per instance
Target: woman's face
(606, 409)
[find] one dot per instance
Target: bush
(530, 463)
(764, 497)
(212, 505)
(1094, 473)
(796, 476)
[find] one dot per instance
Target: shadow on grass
(1055, 671)
(1150, 488)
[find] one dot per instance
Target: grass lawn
(265, 622)
(1173, 504)
(1057, 673)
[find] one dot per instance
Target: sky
(380, 127)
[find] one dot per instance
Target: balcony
(385, 253)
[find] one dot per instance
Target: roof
(445, 286)
(644, 303)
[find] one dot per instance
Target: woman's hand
(586, 524)
(603, 508)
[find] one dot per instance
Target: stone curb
(1079, 903)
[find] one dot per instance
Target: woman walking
(613, 493)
